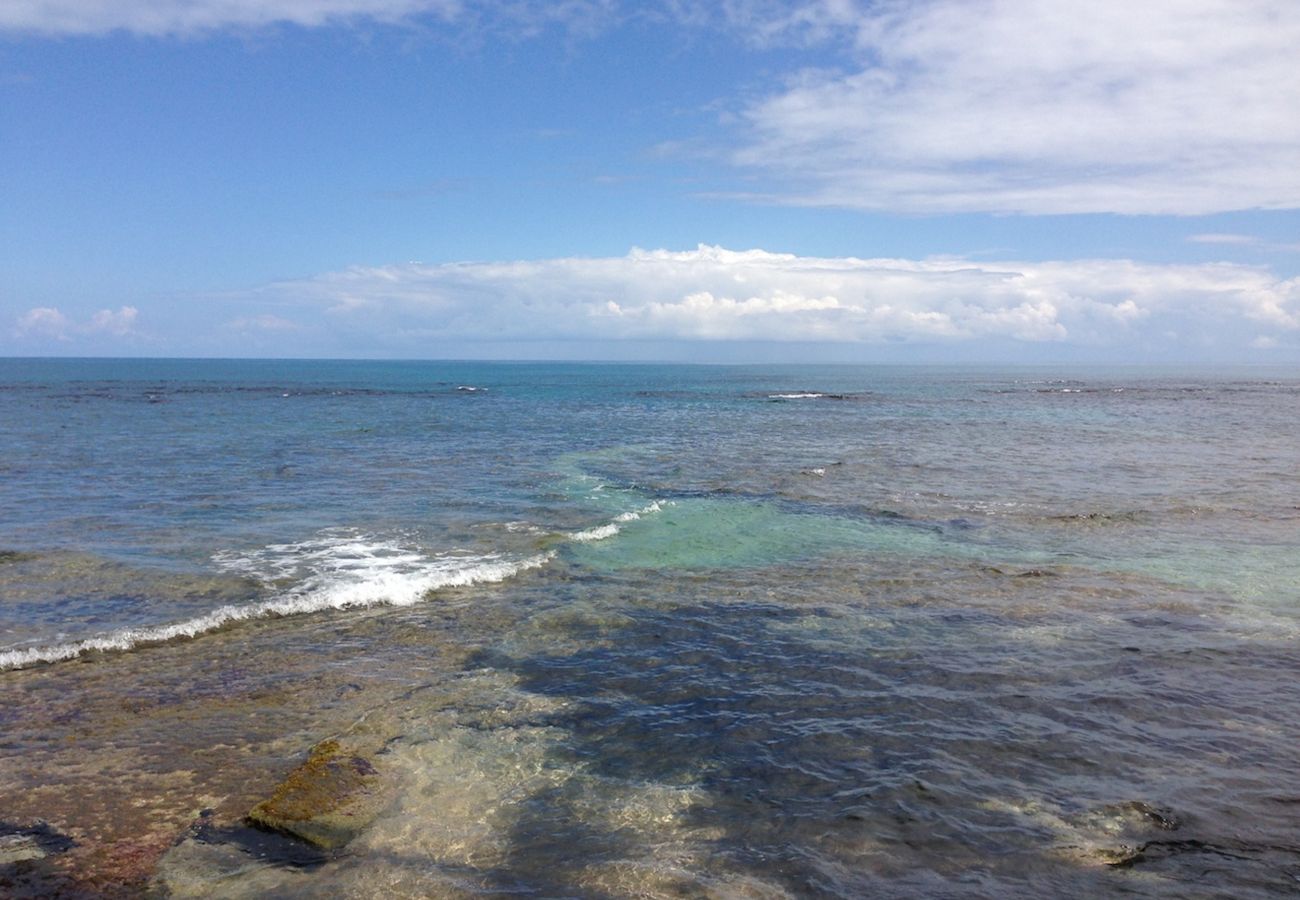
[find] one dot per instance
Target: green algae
(327, 800)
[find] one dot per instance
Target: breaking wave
(337, 570)
(609, 529)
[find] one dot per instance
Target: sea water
(634, 630)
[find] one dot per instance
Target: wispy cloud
(158, 18)
(1253, 242)
(263, 322)
(715, 294)
(1170, 106)
(1214, 238)
(766, 23)
(186, 17)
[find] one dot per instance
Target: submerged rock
(327, 800)
(18, 847)
(1117, 834)
(35, 841)
(212, 860)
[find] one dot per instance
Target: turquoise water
(631, 630)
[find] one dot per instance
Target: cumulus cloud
(43, 321)
(50, 322)
(118, 323)
(1032, 106)
(714, 294)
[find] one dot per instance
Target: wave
(344, 571)
(608, 530)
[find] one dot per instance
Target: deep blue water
(750, 631)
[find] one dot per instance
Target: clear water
(654, 630)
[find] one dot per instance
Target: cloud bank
(714, 294)
(1030, 106)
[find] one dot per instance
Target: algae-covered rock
(327, 800)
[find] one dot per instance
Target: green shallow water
(702, 534)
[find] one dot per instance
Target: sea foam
(609, 529)
(337, 570)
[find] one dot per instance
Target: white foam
(338, 570)
(599, 533)
(800, 395)
(608, 530)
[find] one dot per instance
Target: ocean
(437, 629)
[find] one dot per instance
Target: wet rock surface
(327, 800)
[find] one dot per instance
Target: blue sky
(590, 179)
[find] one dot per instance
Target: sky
(1013, 181)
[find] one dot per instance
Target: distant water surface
(633, 630)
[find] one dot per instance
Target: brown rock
(327, 800)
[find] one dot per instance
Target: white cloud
(50, 322)
(183, 17)
(43, 321)
(715, 294)
(1031, 106)
(169, 18)
(1236, 239)
(117, 323)
(926, 106)
(766, 23)
(760, 22)
(264, 322)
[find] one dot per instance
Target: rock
(1118, 834)
(34, 841)
(212, 860)
(327, 800)
(18, 847)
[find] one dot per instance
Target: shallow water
(652, 631)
